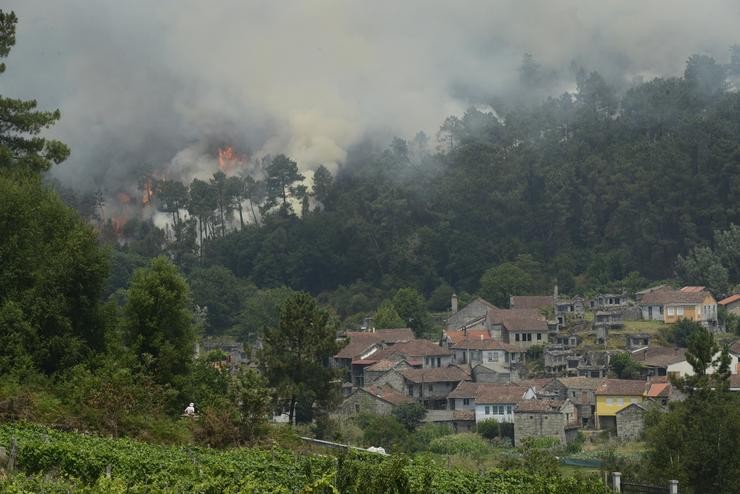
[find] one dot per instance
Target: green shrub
(468, 443)
(489, 429)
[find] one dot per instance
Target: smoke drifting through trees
(142, 85)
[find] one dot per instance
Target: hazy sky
(151, 81)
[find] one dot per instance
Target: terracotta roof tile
(499, 393)
(360, 341)
(670, 296)
(389, 394)
(656, 390)
(472, 343)
(621, 387)
(579, 382)
(518, 319)
(658, 356)
(383, 365)
(730, 299)
(457, 335)
(466, 389)
(536, 384)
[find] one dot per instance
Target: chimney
(454, 303)
(555, 292)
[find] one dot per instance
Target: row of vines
(52, 461)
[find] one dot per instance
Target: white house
(497, 401)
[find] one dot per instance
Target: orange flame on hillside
(228, 160)
(123, 198)
(148, 192)
(117, 222)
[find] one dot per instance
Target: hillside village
(542, 365)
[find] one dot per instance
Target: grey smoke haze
(145, 83)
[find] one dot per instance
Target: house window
(679, 311)
(439, 361)
(488, 410)
(466, 401)
(430, 388)
(516, 336)
(661, 310)
(671, 311)
(357, 408)
(509, 409)
(609, 401)
(539, 336)
(620, 401)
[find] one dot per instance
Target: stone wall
(392, 378)
(538, 424)
(630, 423)
(362, 402)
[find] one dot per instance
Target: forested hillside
(591, 189)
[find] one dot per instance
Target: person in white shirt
(190, 410)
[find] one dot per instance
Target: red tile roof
(730, 299)
(658, 356)
(436, 374)
(656, 390)
(518, 319)
(456, 336)
(536, 384)
(384, 365)
(466, 389)
(499, 393)
(472, 343)
(671, 296)
(621, 387)
(360, 341)
(388, 394)
(580, 382)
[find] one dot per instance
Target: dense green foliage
(139, 467)
(593, 189)
(51, 280)
(295, 357)
(21, 147)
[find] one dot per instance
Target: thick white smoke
(141, 83)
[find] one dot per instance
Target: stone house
(690, 302)
(361, 345)
(630, 422)
(635, 341)
(556, 359)
(432, 386)
(456, 420)
(671, 361)
(470, 315)
(497, 401)
(463, 396)
(609, 301)
(384, 372)
(581, 391)
(417, 353)
(614, 394)
(731, 304)
(543, 418)
(377, 400)
(520, 327)
(475, 351)
(610, 319)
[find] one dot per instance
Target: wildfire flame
(118, 222)
(148, 192)
(123, 198)
(228, 160)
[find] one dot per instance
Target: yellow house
(612, 395)
(670, 306)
